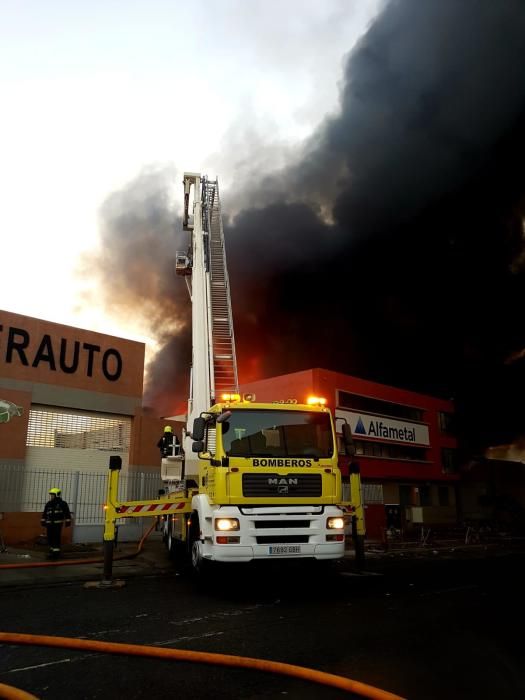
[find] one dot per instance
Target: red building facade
(404, 447)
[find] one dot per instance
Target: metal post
(115, 465)
(108, 562)
(141, 497)
(358, 519)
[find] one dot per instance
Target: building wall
(37, 352)
(90, 383)
(147, 430)
(391, 474)
(326, 383)
(63, 368)
(13, 434)
(298, 385)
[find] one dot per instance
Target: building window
(388, 450)
(377, 406)
(446, 422)
(444, 496)
(372, 493)
(84, 431)
(449, 460)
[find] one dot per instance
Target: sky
(95, 93)
(370, 157)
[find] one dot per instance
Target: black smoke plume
(392, 246)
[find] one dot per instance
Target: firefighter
(166, 442)
(56, 513)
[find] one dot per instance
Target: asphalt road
(429, 628)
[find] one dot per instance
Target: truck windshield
(253, 433)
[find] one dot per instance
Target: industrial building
(403, 441)
(71, 399)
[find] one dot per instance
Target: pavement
(77, 565)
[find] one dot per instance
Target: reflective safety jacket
(56, 512)
(166, 442)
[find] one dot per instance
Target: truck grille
(283, 539)
(261, 524)
(282, 485)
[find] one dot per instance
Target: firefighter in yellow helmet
(168, 442)
(56, 514)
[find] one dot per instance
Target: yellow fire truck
(251, 480)
(268, 485)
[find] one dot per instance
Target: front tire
(199, 564)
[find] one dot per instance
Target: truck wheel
(199, 564)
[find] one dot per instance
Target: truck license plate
(285, 549)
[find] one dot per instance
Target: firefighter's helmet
(55, 491)
(168, 429)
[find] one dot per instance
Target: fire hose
(307, 674)
(301, 672)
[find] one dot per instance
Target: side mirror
(197, 433)
(198, 445)
(348, 440)
(224, 416)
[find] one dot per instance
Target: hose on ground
(10, 693)
(71, 562)
(301, 672)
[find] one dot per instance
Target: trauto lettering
(62, 355)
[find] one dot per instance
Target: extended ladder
(222, 337)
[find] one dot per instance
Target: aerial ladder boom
(214, 363)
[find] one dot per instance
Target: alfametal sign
(364, 425)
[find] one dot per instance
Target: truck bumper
(243, 553)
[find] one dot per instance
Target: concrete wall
(24, 528)
(146, 432)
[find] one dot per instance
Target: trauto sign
(364, 425)
(20, 347)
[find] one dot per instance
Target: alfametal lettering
(62, 355)
(282, 462)
(379, 429)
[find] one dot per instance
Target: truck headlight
(335, 523)
(226, 524)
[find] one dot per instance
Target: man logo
(282, 489)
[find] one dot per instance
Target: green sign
(9, 410)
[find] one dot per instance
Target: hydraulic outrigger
(115, 509)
